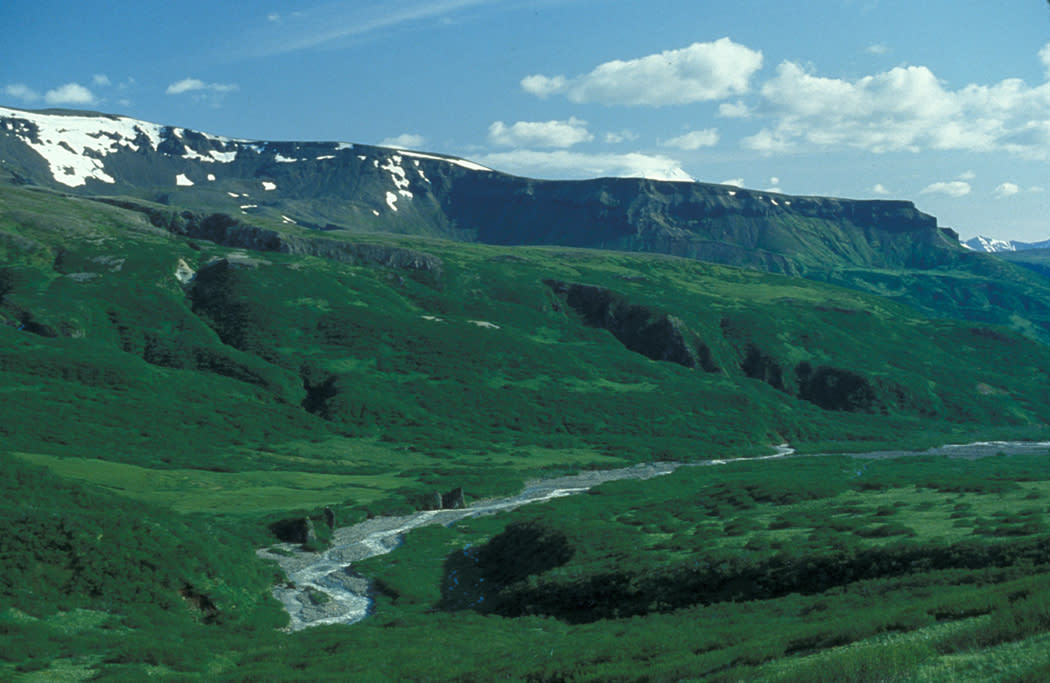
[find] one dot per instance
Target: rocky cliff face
(326, 186)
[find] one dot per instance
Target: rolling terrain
(188, 375)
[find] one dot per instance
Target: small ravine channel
(323, 588)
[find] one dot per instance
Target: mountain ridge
(363, 188)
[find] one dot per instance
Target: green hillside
(168, 399)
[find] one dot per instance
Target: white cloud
(967, 175)
(877, 49)
(100, 80)
(566, 164)
(734, 110)
(1044, 57)
(735, 182)
(543, 86)
(70, 93)
(953, 188)
(896, 110)
(700, 72)
(22, 92)
(1006, 190)
(693, 140)
(879, 189)
(906, 108)
(196, 85)
(540, 133)
(621, 136)
(404, 141)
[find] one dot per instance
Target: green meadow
(153, 431)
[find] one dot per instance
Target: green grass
(221, 493)
(152, 433)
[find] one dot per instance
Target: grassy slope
(193, 401)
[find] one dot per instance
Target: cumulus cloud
(566, 164)
(967, 175)
(906, 108)
(697, 73)
(70, 93)
(625, 135)
(953, 188)
(22, 92)
(1044, 57)
(100, 80)
(693, 140)
(877, 49)
(734, 110)
(540, 133)
(1005, 190)
(879, 189)
(404, 141)
(196, 85)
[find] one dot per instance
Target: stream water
(323, 588)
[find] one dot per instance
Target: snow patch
(249, 206)
(433, 318)
(211, 177)
(268, 185)
(281, 159)
(340, 146)
(448, 160)
(222, 157)
(732, 193)
(286, 219)
(324, 157)
(194, 155)
(375, 212)
(73, 146)
(182, 181)
(233, 194)
(391, 200)
(484, 323)
(398, 175)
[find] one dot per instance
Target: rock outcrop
(450, 500)
(652, 333)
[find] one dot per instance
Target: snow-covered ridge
(989, 244)
(448, 160)
(993, 246)
(74, 146)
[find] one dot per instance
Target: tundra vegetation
(156, 429)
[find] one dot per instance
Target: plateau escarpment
(352, 188)
(316, 197)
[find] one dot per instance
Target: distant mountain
(990, 245)
(311, 197)
(361, 188)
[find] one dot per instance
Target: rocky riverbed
(323, 588)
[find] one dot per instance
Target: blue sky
(943, 103)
